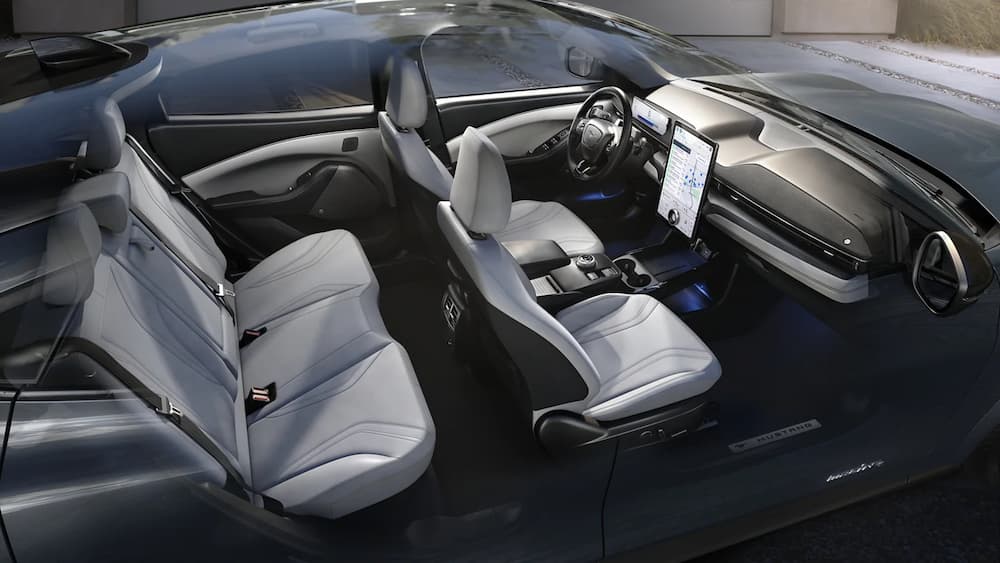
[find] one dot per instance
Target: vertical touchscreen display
(688, 168)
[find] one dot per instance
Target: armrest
(537, 257)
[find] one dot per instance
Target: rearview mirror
(581, 63)
(950, 272)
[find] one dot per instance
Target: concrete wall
(50, 16)
(876, 17)
(697, 17)
(153, 10)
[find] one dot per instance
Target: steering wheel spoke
(600, 138)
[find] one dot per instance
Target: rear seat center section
(344, 424)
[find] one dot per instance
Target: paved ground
(968, 82)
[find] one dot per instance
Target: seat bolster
(550, 220)
(665, 391)
(407, 152)
(645, 356)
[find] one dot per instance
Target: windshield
(642, 54)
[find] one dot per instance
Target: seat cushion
(646, 357)
(549, 220)
(308, 270)
(358, 438)
(304, 348)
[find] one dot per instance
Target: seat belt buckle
(260, 397)
(168, 409)
(222, 291)
(251, 334)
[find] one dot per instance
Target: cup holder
(626, 265)
(632, 278)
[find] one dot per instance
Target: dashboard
(801, 204)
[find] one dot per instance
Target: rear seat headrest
(406, 101)
(106, 136)
(480, 193)
(72, 248)
(107, 196)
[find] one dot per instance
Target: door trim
(514, 95)
(348, 111)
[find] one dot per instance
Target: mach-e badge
(775, 436)
(855, 470)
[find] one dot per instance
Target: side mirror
(581, 63)
(950, 272)
(70, 52)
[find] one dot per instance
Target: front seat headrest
(106, 136)
(480, 193)
(406, 101)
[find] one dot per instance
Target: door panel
(519, 134)
(273, 180)
(188, 144)
(271, 169)
(457, 113)
(333, 193)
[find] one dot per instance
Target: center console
(553, 272)
(682, 162)
(588, 273)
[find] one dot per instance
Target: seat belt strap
(226, 297)
(163, 407)
(189, 199)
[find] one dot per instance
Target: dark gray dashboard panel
(802, 184)
(821, 195)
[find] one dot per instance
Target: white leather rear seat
(348, 427)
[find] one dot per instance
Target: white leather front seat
(608, 358)
(416, 169)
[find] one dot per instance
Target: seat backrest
(140, 304)
(405, 111)
(107, 150)
(557, 372)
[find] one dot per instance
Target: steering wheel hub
(599, 140)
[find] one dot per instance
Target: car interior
(443, 312)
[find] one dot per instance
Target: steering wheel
(599, 140)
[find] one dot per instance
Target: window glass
(501, 58)
(311, 76)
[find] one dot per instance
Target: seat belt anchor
(251, 334)
(223, 291)
(168, 409)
